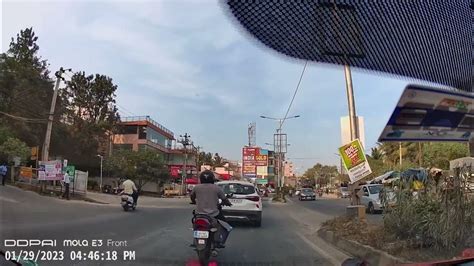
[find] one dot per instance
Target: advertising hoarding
(50, 170)
(430, 114)
(248, 161)
(355, 162)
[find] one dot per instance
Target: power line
(24, 119)
(294, 95)
(124, 110)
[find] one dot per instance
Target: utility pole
(401, 156)
(101, 163)
(185, 140)
(351, 104)
(47, 138)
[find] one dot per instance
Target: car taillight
(253, 198)
(201, 224)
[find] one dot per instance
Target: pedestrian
(66, 180)
(3, 173)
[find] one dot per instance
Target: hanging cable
(294, 95)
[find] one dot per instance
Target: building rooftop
(149, 120)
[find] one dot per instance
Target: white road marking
(8, 200)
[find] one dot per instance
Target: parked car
(343, 192)
(246, 202)
(307, 193)
(371, 197)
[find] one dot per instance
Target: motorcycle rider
(207, 195)
(129, 188)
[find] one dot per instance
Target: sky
(192, 69)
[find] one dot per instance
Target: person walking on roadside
(66, 181)
(3, 173)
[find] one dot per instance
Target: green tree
(321, 173)
(12, 148)
(217, 160)
(25, 87)
(376, 153)
(90, 117)
(5, 133)
(141, 166)
(439, 154)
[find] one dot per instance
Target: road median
(369, 254)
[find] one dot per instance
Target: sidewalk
(143, 201)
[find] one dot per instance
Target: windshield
(113, 112)
(375, 189)
(238, 189)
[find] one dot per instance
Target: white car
(246, 202)
(371, 197)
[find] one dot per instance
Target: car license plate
(236, 200)
(201, 234)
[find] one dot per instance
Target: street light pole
(101, 163)
(279, 151)
(185, 141)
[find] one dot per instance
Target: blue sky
(188, 66)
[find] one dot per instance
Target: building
(288, 168)
(143, 133)
(346, 130)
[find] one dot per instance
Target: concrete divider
(371, 255)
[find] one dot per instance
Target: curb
(371, 255)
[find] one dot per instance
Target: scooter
(206, 230)
(127, 202)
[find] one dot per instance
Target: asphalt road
(333, 208)
(159, 235)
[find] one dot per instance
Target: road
(160, 235)
(333, 208)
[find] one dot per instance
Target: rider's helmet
(207, 177)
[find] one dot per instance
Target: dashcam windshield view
(232, 132)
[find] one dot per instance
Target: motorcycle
(206, 232)
(127, 202)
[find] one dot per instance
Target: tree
(217, 160)
(141, 166)
(14, 147)
(439, 154)
(90, 116)
(321, 173)
(376, 153)
(25, 87)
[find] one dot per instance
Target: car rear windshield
(343, 188)
(307, 190)
(236, 188)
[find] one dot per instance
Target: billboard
(254, 162)
(355, 162)
(248, 161)
(429, 114)
(261, 157)
(50, 170)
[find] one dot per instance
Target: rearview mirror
(366, 194)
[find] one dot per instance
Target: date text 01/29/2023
(48, 255)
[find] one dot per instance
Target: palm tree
(376, 153)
